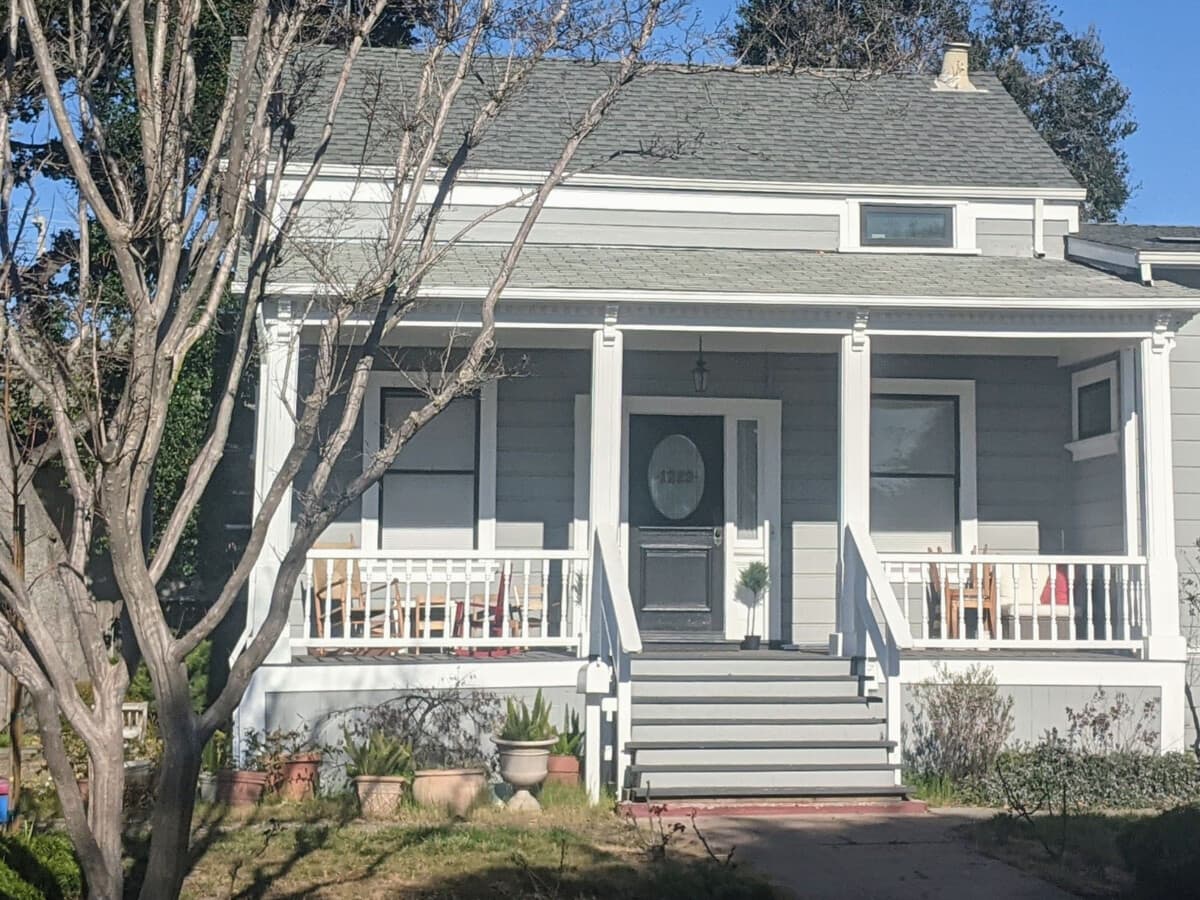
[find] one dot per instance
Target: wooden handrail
(621, 601)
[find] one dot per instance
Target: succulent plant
(524, 724)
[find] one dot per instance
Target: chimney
(956, 69)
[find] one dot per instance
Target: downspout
(1039, 227)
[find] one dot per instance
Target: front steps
(770, 724)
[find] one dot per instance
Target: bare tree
(96, 361)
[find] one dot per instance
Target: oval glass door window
(676, 476)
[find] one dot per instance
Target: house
(839, 336)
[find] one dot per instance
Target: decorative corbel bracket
(1162, 340)
(610, 324)
(858, 334)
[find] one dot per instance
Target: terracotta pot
(562, 769)
(524, 765)
(379, 796)
(236, 787)
(451, 789)
(206, 787)
(298, 776)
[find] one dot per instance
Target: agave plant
(525, 724)
(379, 753)
(570, 738)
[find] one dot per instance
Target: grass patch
(934, 790)
(569, 850)
(1086, 857)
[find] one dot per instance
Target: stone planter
(562, 769)
(524, 765)
(298, 776)
(379, 796)
(206, 787)
(451, 789)
(236, 787)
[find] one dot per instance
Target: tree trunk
(105, 809)
(171, 820)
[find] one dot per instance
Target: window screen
(1093, 403)
(907, 226)
(914, 472)
(428, 497)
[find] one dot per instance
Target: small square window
(1093, 404)
(907, 226)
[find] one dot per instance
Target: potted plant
(380, 767)
(293, 765)
(524, 746)
(753, 581)
(448, 780)
(213, 758)
(564, 755)
(244, 784)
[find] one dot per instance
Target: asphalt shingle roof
(721, 271)
(742, 126)
(1168, 238)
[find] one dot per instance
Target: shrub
(14, 887)
(1164, 852)
(960, 724)
(1040, 776)
(45, 863)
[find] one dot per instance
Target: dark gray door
(676, 516)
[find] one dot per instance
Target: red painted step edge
(712, 808)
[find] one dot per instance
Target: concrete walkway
(873, 857)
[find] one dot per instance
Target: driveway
(869, 857)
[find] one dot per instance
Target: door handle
(717, 537)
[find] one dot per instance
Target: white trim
(1101, 444)
(514, 673)
(964, 390)
(1130, 454)
(1105, 253)
(523, 176)
(731, 409)
(485, 463)
(725, 298)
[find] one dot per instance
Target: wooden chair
(337, 586)
(972, 595)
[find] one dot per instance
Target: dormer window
(907, 226)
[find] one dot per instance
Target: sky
(1152, 47)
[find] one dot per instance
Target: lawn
(1127, 854)
(568, 851)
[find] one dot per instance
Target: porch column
(604, 511)
(854, 463)
(1164, 640)
(275, 433)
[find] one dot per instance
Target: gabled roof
(715, 125)
(1149, 238)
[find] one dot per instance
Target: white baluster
(962, 606)
(1072, 576)
(1089, 580)
(309, 594)
(329, 589)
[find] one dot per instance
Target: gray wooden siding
(535, 448)
(625, 227)
(1098, 505)
(1014, 237)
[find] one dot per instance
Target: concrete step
(664, 793)
(869, 728)
(794, 780)
(718, 706)
(759, 753)
(724, 666)
(758, 686)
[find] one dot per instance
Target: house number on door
(676, 477)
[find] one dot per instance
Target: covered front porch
(1005, 488)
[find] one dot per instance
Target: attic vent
(956, 68)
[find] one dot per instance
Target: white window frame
(964, 390)
(962, 227)
(1098, 445)
(485, 501)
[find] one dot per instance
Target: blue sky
(1152, 47)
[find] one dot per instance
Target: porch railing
(1020, 600)
(362, 600)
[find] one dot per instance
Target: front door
(676, 518)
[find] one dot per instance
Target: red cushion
(1062, 588)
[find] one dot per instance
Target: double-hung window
(915, 472)
(429, 497)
